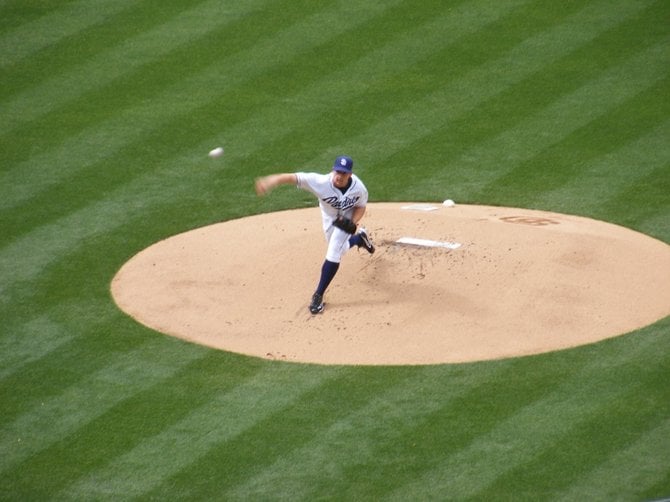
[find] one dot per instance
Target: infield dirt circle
(483, 283)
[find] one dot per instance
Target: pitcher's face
(340, 180)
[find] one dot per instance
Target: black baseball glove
(345, 224)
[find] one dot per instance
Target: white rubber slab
(428, 243)
(420, 207)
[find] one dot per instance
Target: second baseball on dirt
(449, 203)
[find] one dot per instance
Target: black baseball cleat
(316, 305)
(366, 242)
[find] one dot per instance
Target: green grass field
(107, 111)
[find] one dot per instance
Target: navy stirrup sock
(355, 240)
(328, 271)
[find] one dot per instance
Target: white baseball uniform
(334, 202)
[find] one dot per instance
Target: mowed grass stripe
(298, 114)
(378, 70)
(142, 415)
(224, 416)
(69, 53)
(279, 434)
(657, 223)
(491, 161)
(30, 342)
(24, 40)
(645, 198)
(145, 77)
(26, 258)
(64, 412)
(168, 110)
(627, 471)
(559, 162)
(592, 442)
(455, 100)
(607, 175)
(329, 97)
(518, 102)
(587, 396)
(38, 344)
(56, 91)
(412, 451)
(353, 441)
(595, 144)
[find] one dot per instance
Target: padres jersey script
(331, 199)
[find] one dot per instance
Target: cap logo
(343, 162)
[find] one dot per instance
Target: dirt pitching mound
(465, 283)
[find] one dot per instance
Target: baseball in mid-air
(449, 203)
(216, 153)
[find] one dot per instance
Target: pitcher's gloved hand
(345, 224)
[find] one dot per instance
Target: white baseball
(217, 152)
(449, 203)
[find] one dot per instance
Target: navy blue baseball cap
(343, 164)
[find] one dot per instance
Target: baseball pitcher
(342, 199)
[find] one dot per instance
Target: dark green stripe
(643, 403)
(139, 415)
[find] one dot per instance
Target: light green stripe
(351, 439)
(120, 60)
(526, 434)
(102, 141)
(61, 415)
(626, 473)
(643, 155)
(26, 39)
(223, 418)
(336, 88)
(659, 224)
(26, 258)
(38, 336)
(493, 159)
(459, 97)
(31, 342)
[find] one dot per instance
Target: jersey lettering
(343, 203)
